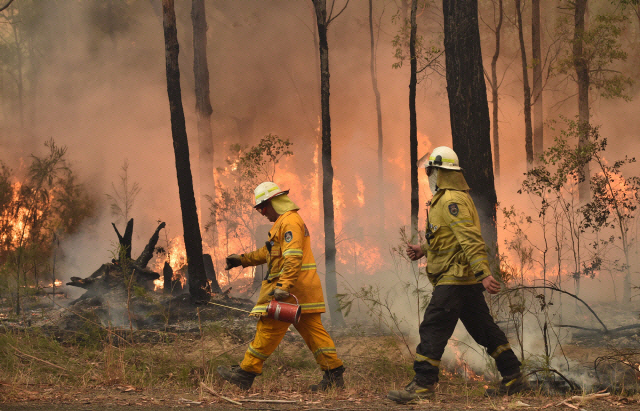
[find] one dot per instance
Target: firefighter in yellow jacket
(291, 270)
(458, 269)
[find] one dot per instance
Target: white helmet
(266, 191)
(442, 157)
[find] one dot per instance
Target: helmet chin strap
(433, 179)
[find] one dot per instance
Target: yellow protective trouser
(270, 332)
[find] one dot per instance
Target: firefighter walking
(291, 270)
(458, 269)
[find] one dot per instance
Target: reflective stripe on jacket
(456, 253)
(291, 265)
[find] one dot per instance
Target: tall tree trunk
(327, 169)
(203, 113)
(494, 92)
(198, 285)
(469, 109)
(203, 100)
(536, 57)
(413, 125)
(374, 83)
(19, 78)
(582, 73)
(318, 136)
(404, 7)
(528, 131)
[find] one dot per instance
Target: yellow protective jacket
(455, 251)
(291, 265)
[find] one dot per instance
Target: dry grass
(33, 363)
(105, 357)
(157, 363)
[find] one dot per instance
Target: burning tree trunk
(469, 109)
(323, 21)
(198, 285)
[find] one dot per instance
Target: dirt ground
(103, 398)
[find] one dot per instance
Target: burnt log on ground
(117, 274)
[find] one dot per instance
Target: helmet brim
(269, 198)
(424, 163)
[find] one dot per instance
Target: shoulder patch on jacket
(288, 236)
(453, 209)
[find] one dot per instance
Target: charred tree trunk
(494, 92)
(536, 57)
(125, 240)
(327, 167)
(198, 285)
(413, 126)
(469, 109)
(203, 105)
(110, 276)
(528, 132)
(167, 276)
(147, 254)
(582, 73)
(376, 92)
(203, 113)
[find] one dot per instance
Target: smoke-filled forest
(134, 136)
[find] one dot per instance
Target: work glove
(233, 261)
(280, 294)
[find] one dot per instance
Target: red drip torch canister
(287, 312)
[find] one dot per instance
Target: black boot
(237, 376)
(511, 384)
(330, 379)
(412, 392)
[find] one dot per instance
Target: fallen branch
(614, 330)
(553, 287)
(272, 401)
(189, 402)
(567, 404)
(584, 398)
(38, 359)
(211, 391)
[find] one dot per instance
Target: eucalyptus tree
(198, 285)
(323, 19)
(469, 108)
(595, 47)
(203, 103)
